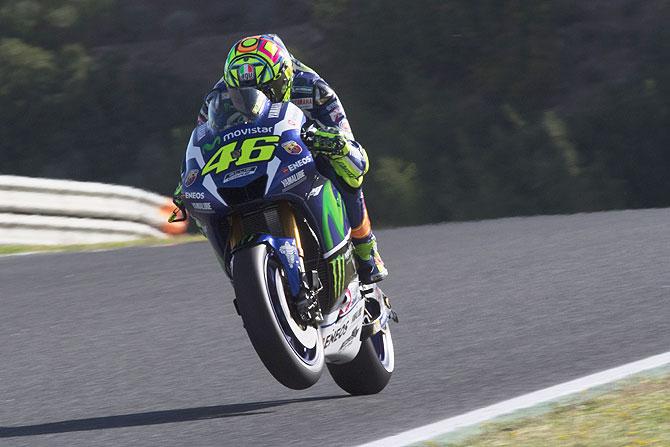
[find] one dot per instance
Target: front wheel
(370, 371)
(292, 353)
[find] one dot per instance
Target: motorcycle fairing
(327, 207)
(341, 339)
(290, 159)
(252, 150)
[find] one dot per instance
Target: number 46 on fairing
(252, 150)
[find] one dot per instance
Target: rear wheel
(292, 353)
(370, 371)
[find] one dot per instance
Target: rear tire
(370, 371)
(293, 355)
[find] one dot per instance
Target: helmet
(262, 62)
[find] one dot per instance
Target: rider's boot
(371, 268)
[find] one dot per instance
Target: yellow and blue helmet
(262, 62)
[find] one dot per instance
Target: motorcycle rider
(263, 62)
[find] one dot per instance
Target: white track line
(452, 424)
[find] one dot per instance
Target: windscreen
(248, 101)
(235, 106)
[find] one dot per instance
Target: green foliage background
(469, 108)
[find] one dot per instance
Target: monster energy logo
(337, 267)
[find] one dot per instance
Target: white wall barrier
(46, 211)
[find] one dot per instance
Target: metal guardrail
(47, 211)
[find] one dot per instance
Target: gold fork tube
(289, 225)
(235, 230)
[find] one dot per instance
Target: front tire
(370, 371)
(293, 354)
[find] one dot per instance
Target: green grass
(632, 413)
(13, 249)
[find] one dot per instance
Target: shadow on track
(154, 417)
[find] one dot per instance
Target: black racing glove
(179, 203)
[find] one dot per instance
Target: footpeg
(393, 315)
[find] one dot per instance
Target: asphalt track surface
(142, 346)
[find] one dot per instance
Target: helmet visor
(248, 101)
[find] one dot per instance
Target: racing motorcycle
(280, 231)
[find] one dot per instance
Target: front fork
(288, 223)
(304, 286)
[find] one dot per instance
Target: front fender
(285, 250)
